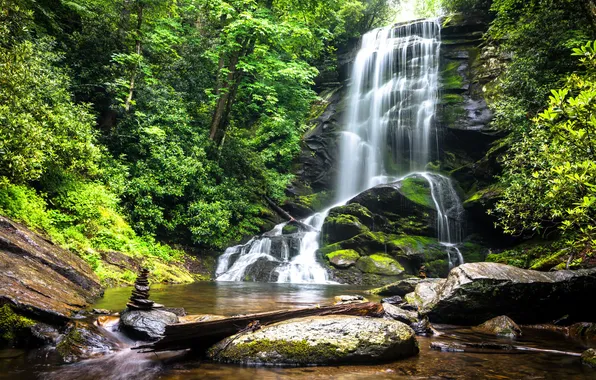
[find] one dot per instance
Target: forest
(385, 187)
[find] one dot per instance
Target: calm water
(234, 298)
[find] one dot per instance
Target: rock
(45, 334)
(379, 264)
(101, 311)
(339, 227)
(583, 330)
(341, 300)
(320, 341)
(344, 258)
(401, 287)
(501, 326)
(473, 293)
(423, 327)
(146, 324)
(82, 341)
(423, 294)
(394, 300)
(589, 357)
(179, 311)
(47, 282)
(399, 314)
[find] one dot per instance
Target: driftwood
(202, 335)
(285, 214)
(488, 347)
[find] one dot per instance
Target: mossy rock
(502, 326)
(363, 214)
(290, 229)
(437, 268)
(319, 341)
(339, 227)
(15, 330)
(379, 264)
(589, 357)
(344, 258)
(417, 190)
(364, 243)
(83, 340)
(472, 252)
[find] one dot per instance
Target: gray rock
(473, 293)
(320, 341)
(401, 287)
(501, 326)
(399, 314)
(83, 340)
(146, 324)
(394, 300)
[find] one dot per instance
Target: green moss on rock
(416, 189)
(343, 258)
(13, 327)
(379, 264)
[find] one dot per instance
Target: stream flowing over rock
(320, 341)
(41, 279)
(476, 292)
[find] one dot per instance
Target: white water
(389, 131)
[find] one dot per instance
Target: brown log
(202, 335)
(283, 213)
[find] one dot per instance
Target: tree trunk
(202, 335)
(131, 84)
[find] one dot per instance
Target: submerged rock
(146, 324)
(500, 326)
(46, 282)
(319, 341)
(473, 293)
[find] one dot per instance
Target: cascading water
(389, 131)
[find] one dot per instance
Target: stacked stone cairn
(140, 295)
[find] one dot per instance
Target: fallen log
(290, 218)
(489, 347)
(202, 335)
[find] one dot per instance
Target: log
(202, 335)
(489, 347)
(289, 217)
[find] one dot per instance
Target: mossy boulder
(379, 264)
(319, 341)
(364, 243)
(401, 287)
(344, 258)
(502, 326)
(589, 357)
(339, 227)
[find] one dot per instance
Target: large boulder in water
(474, 293)
(319, 341)
(146, 324)
(38, 278)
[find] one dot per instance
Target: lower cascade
(390, 136)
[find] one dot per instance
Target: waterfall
(389, 131)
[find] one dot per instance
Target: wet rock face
(36, 276)
(146, 324)
(319, 341)
(473, 293)
(83, 340)
(500, 326)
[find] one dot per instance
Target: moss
(589, 357)
(290, 229)
(363, 243)
(13, 326)
(70, 344)
(413, 243)
(450, 78)
(417, 190)
(535, 254)
(315, 201)
(379, 264)
(452, 99)
(347, 254)
(437, 268)
(490, 192)
(473, 253)
(272, 352)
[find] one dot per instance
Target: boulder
(38, 278)
(399, 314)
(379, 264)
(83, 340)
(319, 341)
(146, 324)
(393, 300)
(502, 326)
(344, 258)
(589, 357)
(473, 293)
(401, 287)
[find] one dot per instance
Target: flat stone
(320, 341)
(146, 324)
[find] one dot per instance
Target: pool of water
(241, 298)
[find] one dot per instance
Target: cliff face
(41, 280)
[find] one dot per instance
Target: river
(233, 298)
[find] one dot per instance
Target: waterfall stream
(389, 131)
